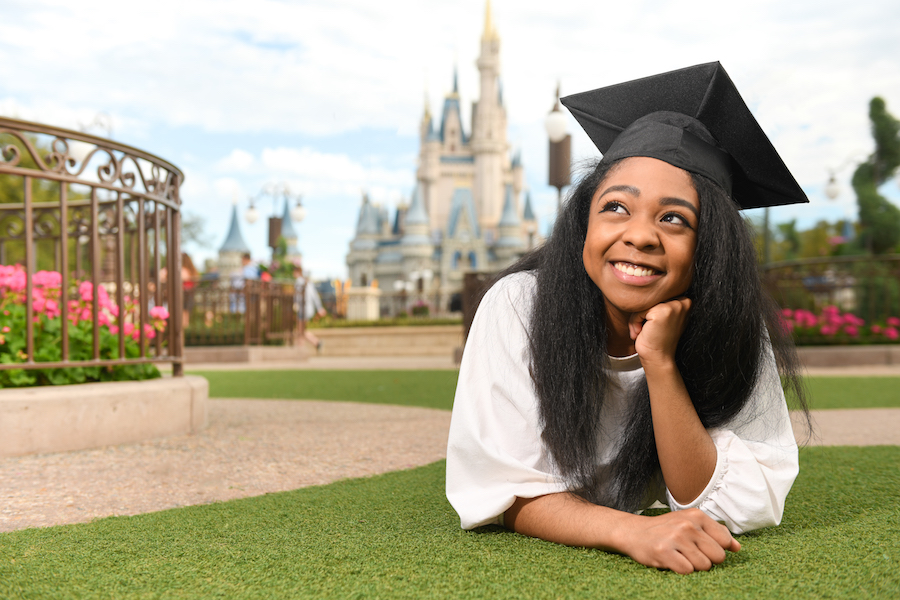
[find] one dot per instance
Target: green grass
(854, 392)
(435, 389)
(432, 389)
(395, 536)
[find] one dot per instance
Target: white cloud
(239, 160)
(230, 188)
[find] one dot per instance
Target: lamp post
(833, 188)
(274, 190)
(560, 151)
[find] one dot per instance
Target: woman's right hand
(682, 541)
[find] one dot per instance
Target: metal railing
(252, 313)
(99, 212)
(867, 286)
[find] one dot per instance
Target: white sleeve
(757, 461)
(495, 452)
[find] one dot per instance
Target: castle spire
(234, 241)
(490, 32)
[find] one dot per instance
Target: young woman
(635, 357)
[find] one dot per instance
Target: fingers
(685, 542)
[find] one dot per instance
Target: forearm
(683, 541)
(567, 519)
(687, 454)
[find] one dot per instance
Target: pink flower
(851, 330)
(128, 329)
(86, 291)
(875, 329)
(828, 330)
(86, 314)
(893, 321)
(51, 307)
(5, 330)
(149, 332)
(159, 312)
(891, 333)
(114, 329)
(787, 313)
(47, 279)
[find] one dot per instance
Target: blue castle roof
(234, 241)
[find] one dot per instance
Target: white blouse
(495, 453)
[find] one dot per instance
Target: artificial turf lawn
(854, 392)
(434, 389)
(395, 536)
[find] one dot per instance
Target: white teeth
(632, 270)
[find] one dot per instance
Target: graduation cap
(692, 118)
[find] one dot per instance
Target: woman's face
(642, 231)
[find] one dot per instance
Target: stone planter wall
(92, 415)
(849, 356)
(424, 340)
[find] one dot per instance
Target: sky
(327, 97)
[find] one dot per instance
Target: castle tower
(489, 144)
(289, 234)
(232, 248)
(415, 245)
(364, 246)
(509, 244)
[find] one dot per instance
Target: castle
(465, 213)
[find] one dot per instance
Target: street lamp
(298, 212)
(274, 190)
(560, 151)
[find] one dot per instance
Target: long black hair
(720, 354)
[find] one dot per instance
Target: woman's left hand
(656, 331)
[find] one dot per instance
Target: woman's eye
(676, 219)
(614, 207)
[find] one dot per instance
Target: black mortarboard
(692, 118)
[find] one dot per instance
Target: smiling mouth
(635, 270)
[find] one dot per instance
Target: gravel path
(254, 447)
(251, 447)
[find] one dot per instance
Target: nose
(641, 234)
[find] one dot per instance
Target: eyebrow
(629, 189)
(679, 202)
(668, 201)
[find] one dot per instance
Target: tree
(192, 230)
(879, 219)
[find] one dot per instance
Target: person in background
(249, 271)
(309, 305)
(189, 278)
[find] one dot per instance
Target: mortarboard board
(695, 119)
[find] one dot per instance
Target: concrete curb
(93, 415)
(849, 356)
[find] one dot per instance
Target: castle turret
(364, 246)
(529, 223)
(489, 144)
(289, 233)
(233, 248)
(509, 243)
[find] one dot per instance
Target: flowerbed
(833, 327)
(46, 298)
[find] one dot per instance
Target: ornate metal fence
(866, 286)
(105, 217)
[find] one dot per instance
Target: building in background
(467, 211)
